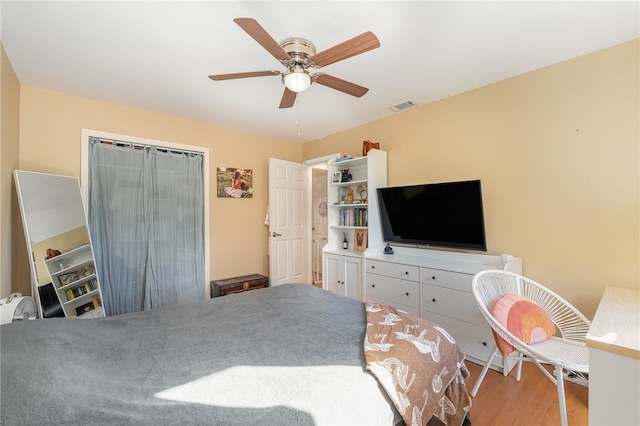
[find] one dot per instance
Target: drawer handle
(407, 293)
(373, 285)
(433, 300)
(433, 277)
(484, 343)
(373, 266)
(406, 272)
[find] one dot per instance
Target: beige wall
(557, 150)
(9, 148)
(50, 134)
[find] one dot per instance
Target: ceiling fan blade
(220, 77)
(259, 34)
(355, 46)
(288, 98)
(339, 84)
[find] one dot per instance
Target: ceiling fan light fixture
(297, 79)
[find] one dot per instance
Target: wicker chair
(566, 351)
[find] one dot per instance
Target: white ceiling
(156, 55)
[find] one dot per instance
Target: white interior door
(289, 227)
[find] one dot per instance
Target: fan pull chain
(298, 102)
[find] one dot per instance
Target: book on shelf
(354, 217)
(80, 290)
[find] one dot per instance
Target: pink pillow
(523, 318)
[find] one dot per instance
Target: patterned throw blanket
(418, 364)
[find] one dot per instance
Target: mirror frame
(49, 208)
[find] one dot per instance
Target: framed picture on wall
(360, 239)
(234, 182)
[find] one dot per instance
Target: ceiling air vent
(402, 106)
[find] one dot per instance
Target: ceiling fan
(298, 55)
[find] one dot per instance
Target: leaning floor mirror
(64, 280)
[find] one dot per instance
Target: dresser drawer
(448, 279)
(393, 290)
(394, 270)
(412, 310)
(452, 303)
(476, 342)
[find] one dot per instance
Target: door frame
(318, 163)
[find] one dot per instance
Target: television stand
(436, 285)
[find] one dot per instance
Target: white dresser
(436, 285)
(614, 359)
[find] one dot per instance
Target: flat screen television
(446, 215)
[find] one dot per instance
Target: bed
(291, 354)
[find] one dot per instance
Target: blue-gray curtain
(146, 217)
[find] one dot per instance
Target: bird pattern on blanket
(424, 345)
(414, 360)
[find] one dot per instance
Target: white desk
(614, 359)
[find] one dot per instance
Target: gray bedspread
(285, 355)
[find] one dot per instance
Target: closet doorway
(318, 222)
(148, 213)
(318, 218)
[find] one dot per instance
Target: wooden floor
(530, 402)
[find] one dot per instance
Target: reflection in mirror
(54, 223)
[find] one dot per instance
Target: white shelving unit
(74, 278)
(343, 271)
(344, 274)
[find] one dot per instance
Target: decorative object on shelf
(66, 279)
(97, 301)
(348, 196)
(87, 307)
(336, 177)
(89, 270)
(343, 158)
(360, 239)
(388, 249)
(368, 146)
(362, 192)
(70, 277)
(346, 176)
(345, 243)
(52, 253)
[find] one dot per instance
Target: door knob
(275, 234)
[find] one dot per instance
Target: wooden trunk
(238, 284)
